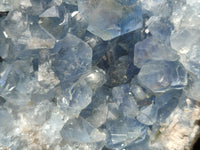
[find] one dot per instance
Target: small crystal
(96, 112)
(72, 58)
(110, 18)
(160, 76)
(75, 98)
(124, 100)
(152, 49)
(123, 132)
(80, 130)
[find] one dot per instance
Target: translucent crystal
(125, 100)
(96, 78)
(109, 19)
(5, 5)
(192, 90)
(55, 20)
(152, 49)
(96, 112)
(186, 16)
(166, 103)
(78, 24)
(75, 98)
(46, 76)
(36, 38)
(51, 128)
(38, 114)
(189, 51)
(122, 132)
(160, 76)
(143, 145)
(138, 92)
(51, 12)
(17, 20)
(4, 50)
(191, 61)
(151, 5)
(72, 58)
(190, 35)
(99, 74)
(6, 126)
(80, 130)
(160, 28)
(147, 115)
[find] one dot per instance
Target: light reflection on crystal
(94, 75)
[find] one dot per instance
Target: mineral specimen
(99, 74)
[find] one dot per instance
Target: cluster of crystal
(111, 18)
(97, 75)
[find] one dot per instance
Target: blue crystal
(160, 76)
(152, 49)
(122, 132)
(72, 58)
(80, 130)
(124, 100)
(109, 19)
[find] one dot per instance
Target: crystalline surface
(147, 115)
(109, 19)
(124, 100)
(96, 112)
(55, 20)
(192, 90)
(122, 132)
(75, 98)
(99, 74)
(17, 20)
(72, 59)
(5, 5)
(80, 130)
(152, 49)
(160, 76)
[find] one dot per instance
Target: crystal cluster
(99, 74)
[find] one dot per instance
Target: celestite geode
(99, 74)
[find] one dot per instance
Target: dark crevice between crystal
(2, 100)
(3, 13)
(1, 59)
(196, 145)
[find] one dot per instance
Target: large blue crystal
(111, 18)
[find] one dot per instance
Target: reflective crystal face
(160, 76)
(111, 18)
(99, 74)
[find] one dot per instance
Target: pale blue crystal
(4, 50)
(122, 132)
(55, 20)
(152, 49)
(125, 101)
(160, 76)
(96, 112)
(16, 20)
(192, 89)
(166, 103)
(147, 115)
(138, 92)
(6, 126)
(75, 98)
(109, 19)
(72, 58)
(5, 5)
(79, 130)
